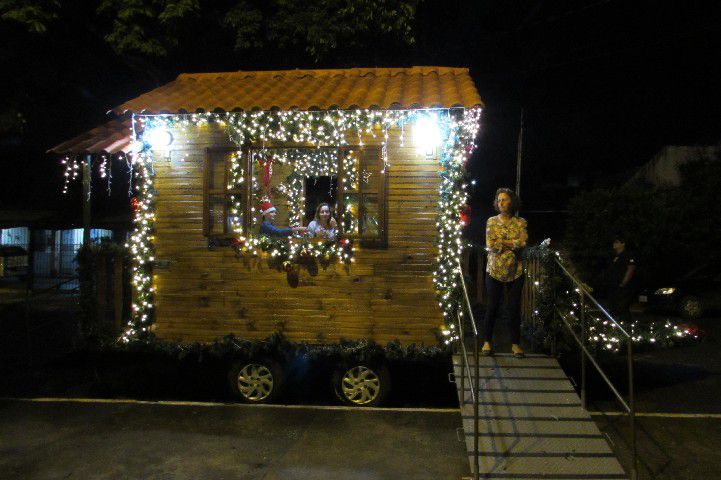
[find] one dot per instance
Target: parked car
(692, 295)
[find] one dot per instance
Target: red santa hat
(266, 207)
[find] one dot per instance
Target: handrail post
(582, 306)
(554, 339)
(463, 360)
(477, 382)
(632, 411)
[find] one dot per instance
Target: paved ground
(669, 448)
(114, 441)
(152, 441)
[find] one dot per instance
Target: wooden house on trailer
(384, 147)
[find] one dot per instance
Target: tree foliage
(671, 230)
(35, 15)
(154, 28)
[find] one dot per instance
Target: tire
(690, 307)
(256, 381)
(361, 384)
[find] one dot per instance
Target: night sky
(603, 86)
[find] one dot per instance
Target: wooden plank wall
(386, 294)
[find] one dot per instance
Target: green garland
(555, 291)
(279, 347)
(282, 253)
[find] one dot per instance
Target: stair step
(550, 467)
(556, 397)
(531, 423)
(529, 427)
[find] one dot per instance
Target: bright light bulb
(158, 137)
(426, 133)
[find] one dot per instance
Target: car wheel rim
(360, 385)
(255, 382)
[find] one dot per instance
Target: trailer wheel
(362, 385)
(256, 381)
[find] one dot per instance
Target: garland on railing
(554, 290)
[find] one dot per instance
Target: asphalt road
(144, 441)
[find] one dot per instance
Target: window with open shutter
(364, 196)
(223, 193)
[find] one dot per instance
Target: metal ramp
(531, 423)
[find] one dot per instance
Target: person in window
(268, 228)
(323, 224)
(506, 236)
(621, 273)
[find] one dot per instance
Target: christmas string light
(601, 332)
(72, 168)
(319, 129)
(141, 249)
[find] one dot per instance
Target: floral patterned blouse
(504, 264)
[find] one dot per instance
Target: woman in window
(323, 225)
(506, 235)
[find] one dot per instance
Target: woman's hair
(317, 212)
(515, 202)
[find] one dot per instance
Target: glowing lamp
(158, 138)
(426, 134)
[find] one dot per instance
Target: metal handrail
(630, 407)
(473, 378)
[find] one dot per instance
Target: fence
(105, 289)
(53, 259)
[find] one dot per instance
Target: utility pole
(87, 169)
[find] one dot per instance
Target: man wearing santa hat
(267, 228)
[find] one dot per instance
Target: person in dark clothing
(621, 276)
(267, 228)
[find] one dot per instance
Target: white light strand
(320, 129)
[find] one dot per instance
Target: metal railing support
(586, 356)
(476, 399)
(582, 304)
(632, 411)
(473, 377)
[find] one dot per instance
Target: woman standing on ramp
(506, 236)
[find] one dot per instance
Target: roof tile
(305, 89)
(112, 137)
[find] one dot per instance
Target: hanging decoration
(266, 165)
(72, 169)
(141, 248)
(457, 133)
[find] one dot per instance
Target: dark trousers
(620, 300)
(494, 297)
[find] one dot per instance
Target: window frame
(380, 241)
(225, 192)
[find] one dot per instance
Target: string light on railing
(605, 332)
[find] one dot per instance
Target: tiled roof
(384, 88)
(111, 137)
